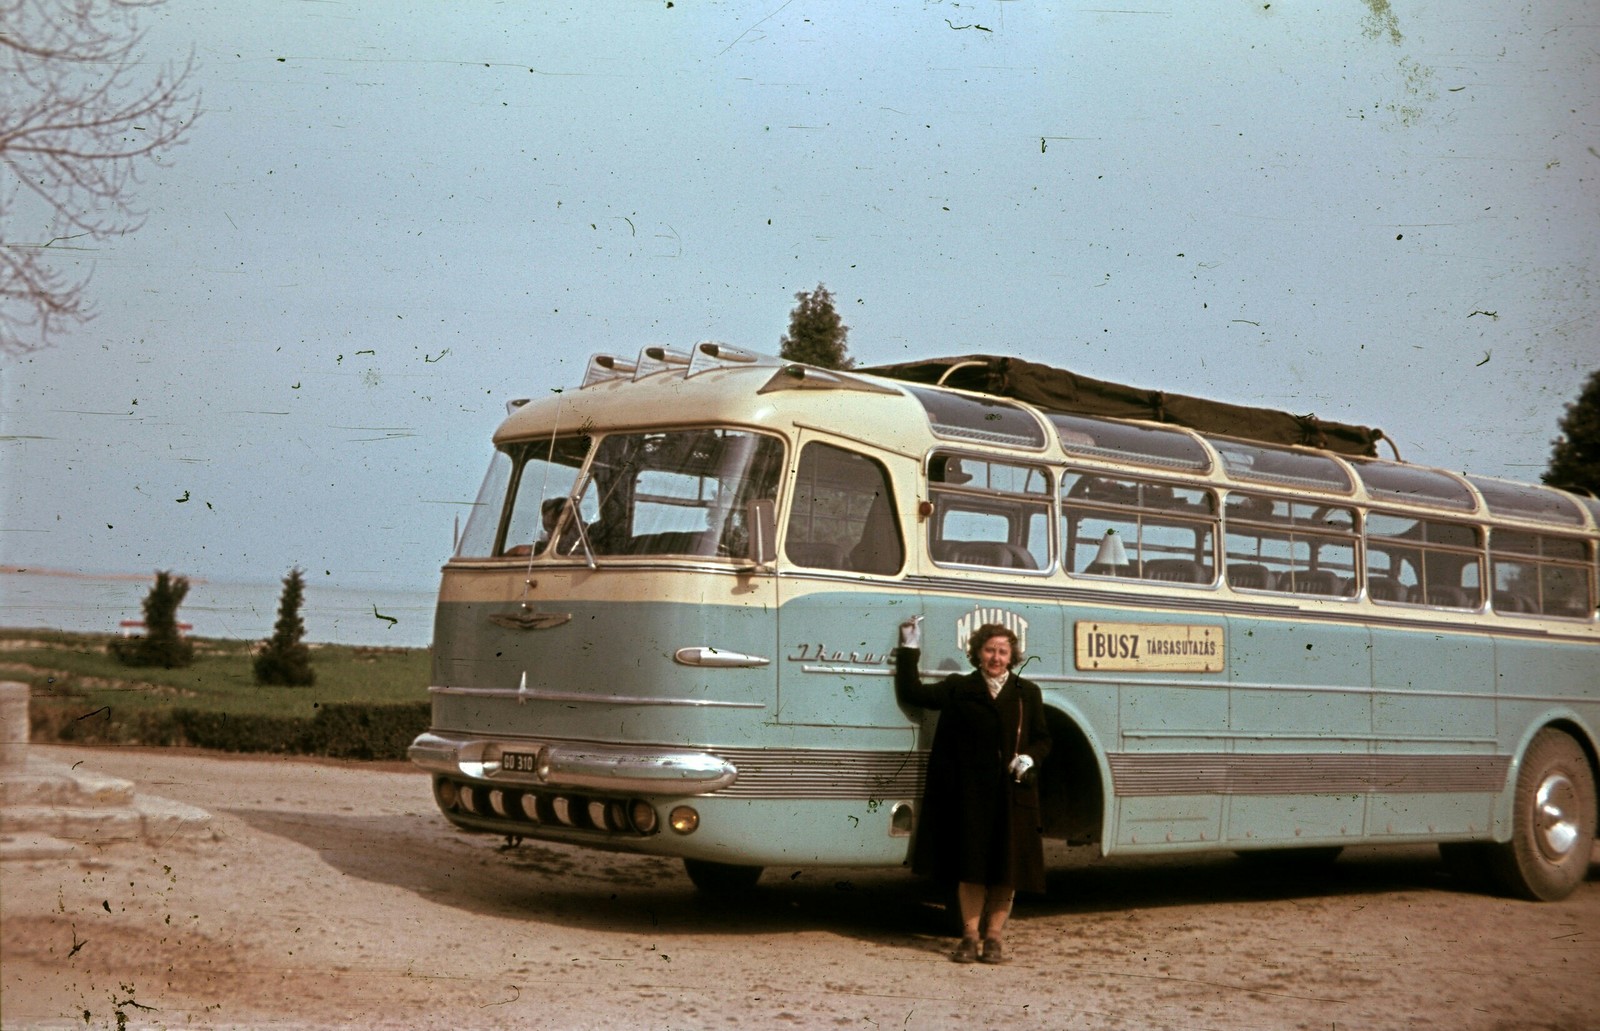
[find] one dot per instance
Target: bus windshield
(668, 492)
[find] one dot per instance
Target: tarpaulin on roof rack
(1059, 390)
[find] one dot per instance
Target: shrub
(284, 658)
(161, 644)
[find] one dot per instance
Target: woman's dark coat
(977, 824)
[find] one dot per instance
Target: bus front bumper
(573, 765)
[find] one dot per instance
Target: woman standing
(979, 823)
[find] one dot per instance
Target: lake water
(237, 611)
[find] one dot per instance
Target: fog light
(530, 807)
(683, 819)
(642, 815)
(444, 791)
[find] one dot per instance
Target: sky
(390, 219)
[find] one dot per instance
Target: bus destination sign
(1149, 647)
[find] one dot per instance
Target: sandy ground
(335, 896)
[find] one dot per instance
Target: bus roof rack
(1059, 390)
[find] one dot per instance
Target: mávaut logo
(980, 615)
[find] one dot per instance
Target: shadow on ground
(619, 892)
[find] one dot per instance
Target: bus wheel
(721, 878)
(1552, 830)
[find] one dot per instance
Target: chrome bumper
(558, 764)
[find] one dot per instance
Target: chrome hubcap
(1555, 817)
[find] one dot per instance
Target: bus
(668, 624)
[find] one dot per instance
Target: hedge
(341, 730)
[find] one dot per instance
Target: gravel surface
(333, 895)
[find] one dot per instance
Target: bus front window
(477, 540)
(678, 492)
(546, 471)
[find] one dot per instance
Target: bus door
(838, 612)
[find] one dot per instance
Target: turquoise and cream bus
(1252, 633)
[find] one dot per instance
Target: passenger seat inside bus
(1251, 576)
(1320, 581)
(1443, 596)
(995, 554)
(1176, 570)
(1385, 588)
(1510, 601)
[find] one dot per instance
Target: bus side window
(1538, 574)
(1438, 563)
(1291, 547)
(988, 512)
(841, 515)
(1168, 532)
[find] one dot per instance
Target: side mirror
(761, 518)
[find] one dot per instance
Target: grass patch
(365, 698)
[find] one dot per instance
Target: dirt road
(335, 896)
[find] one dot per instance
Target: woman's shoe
(966, 952)
(993, 951)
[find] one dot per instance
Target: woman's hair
(981, 636)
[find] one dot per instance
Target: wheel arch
(1568, 723)
(1073, 782)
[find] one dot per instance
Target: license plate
(519, 762)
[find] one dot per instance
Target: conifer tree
(284, 659)
(1575, 454)
(816, 334)
(161, 644)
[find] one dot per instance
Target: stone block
(102, 825)
(166, 820)
(31, 819)
(23, 789)
(97, 789)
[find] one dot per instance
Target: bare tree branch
(83, 113)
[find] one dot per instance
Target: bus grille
(815, 773)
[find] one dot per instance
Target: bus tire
(1553, 818)
(721, 878)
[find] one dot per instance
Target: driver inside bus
(550, 513)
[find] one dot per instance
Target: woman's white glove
(1020, 766)
(911, 633)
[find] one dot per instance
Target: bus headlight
(642, 815)
(683, 819)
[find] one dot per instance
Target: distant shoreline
(74, 574)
